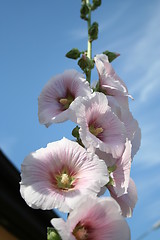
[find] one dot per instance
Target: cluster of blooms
(73, 175)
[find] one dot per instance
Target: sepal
(111, 55)
(74, 53)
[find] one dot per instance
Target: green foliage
(111, 55)
(74, 53)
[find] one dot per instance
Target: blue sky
(35, 36)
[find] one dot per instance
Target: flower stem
(89, 49)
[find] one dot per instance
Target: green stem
(89, 49)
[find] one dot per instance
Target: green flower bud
(96, 4)
(93, 31)
(74, 53)
(85, 63)
(84, 9)
(111, 55)
(52, 234)
(82, 63)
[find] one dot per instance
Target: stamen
(66, 101)
(95, 131)
(63, 101)
(81, 234)
(65, 179)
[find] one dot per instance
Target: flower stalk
(89, 49)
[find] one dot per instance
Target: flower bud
(85, 63)
(52, 234)
(96, 4)
(93, 31)
(84, 11)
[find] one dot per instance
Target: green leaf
(111, 55)
(52, 234)
(74, 53)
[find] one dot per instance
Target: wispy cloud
(149, 156)
(7, 144)
(145, 57)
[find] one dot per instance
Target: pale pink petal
(95, 111)
(61, 227)
(100, 219)
(133, 131)
(70, 83)
(121, 175)
(39, 170)
(127, 201)
(109, 81)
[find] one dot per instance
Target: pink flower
(58, 94)
(93, 219)
(56, 176)
(119, 170)
(109, 81)
(133, 131)
(100, 128)
(128, 200)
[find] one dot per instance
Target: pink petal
(109, 80)
(50, 110)
(127, 201)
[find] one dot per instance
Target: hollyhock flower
(56, 176)
(99, 126)
(133, 131)
(58, 94)
(109, 81)
(119, 169)
(93, 219)
(128, 200)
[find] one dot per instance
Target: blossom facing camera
(109, 81)
(100, 128)
(58, 94)
(93, 219)
(57, 176)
